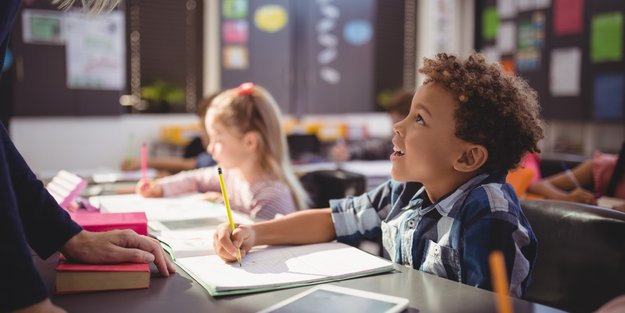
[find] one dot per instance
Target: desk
(180, 293)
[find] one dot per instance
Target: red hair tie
(245, 89)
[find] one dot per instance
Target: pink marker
(144, 162)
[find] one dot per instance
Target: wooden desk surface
(181, 294)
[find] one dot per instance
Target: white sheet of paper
(609, 202)
(565, 72)
(160, 209)
(274, 266)
(506, 38)
(506, 8)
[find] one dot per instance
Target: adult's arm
(29, 216)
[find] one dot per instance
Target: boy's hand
(117, 246)
(149, 189)
(582, 196)
(226, 242)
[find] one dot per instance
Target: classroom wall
(93, 142)
(73, 143)
(52, 144)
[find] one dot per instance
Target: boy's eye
(420, 120)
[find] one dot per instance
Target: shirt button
(411, 223)
(437, 250)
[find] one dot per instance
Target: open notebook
(279, 267)
(185, 227)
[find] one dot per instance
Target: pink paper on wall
(568, 16)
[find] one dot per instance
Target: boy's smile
(425, 147)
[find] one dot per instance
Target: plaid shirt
(451, 238)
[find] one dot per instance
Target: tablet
(330, 299)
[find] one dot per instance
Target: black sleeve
(29, 216)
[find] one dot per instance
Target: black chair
(581, 254)
(324, 185)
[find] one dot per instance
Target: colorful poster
(506, 39)
(234, 31)
(608, 104)
(43, 27)
(96, 50)
(531, 40)
(568, 17)
(565, 72)
(271, 18)
(606, 38)
(490, 23)
(357, 32)
(235, 58)
(234, 9)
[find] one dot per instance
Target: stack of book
(72, 277)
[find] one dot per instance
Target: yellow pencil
(227, 204)
(500, 282)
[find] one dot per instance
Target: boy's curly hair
(496, 110)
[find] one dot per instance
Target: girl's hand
(582, 196)
(149, 189)
(226, 242)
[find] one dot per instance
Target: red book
(97, 222)
(79, 277)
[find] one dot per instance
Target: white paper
(491, 54)
(506, 8)
(274, 266)
(188, 243)
(96, 51)
(506, 38)
(565, 72)
(610, 202)
(526, 5)
(542, 4)
(161, 209)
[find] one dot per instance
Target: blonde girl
(248, 142)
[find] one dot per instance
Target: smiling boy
(448, 205)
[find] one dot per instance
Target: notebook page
(283, 265)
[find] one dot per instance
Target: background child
(398, 108)
(604, 173)
(448, 206)
(247, 140)
(194, 156)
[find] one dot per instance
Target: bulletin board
(570, 52)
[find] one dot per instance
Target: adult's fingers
(130, 242)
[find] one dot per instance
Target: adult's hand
(117, 246)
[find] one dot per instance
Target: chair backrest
(324, 185)
(581, 254)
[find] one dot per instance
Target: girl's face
(425, 145)
(226, 145)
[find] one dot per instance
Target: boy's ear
(471, 159)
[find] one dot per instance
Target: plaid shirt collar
(446, 203)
